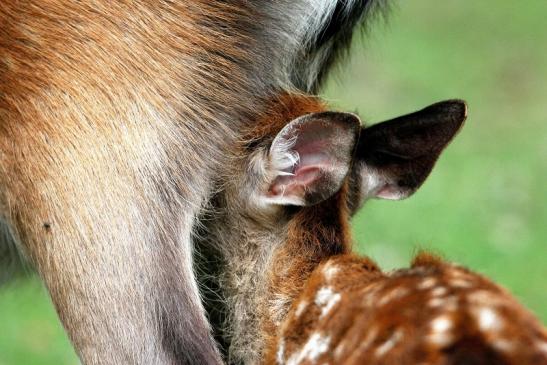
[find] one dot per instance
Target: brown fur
(433, 313)
(114, 118)
(93, 171)
(278, 111)
(274, 260)
(314, 234)
(231, 229)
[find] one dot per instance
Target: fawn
(434, 313)
(289, 210)
(294, 293)
(115, 117)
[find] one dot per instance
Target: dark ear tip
(354, 120)
(456, 109)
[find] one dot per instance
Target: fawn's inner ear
(395, 157)
(310, 158)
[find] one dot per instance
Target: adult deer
(114, 118)
(290, 208)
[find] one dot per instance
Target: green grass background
(485, 203)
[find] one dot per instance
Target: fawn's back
(433, 313)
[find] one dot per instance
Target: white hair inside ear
(283, 158)
(309, 158)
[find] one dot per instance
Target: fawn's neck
(263, 267)
(263, 270)
(315, 234)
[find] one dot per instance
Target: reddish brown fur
(103, 108)
(279, 110)
(373, 305)
(387, 318)
(243, 280)
(269, 250)
(115, 119)
(315, 233)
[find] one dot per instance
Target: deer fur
(293, 291)
(269, 233)
(114, 119)
(434, 313)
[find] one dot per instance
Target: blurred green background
(484, 205)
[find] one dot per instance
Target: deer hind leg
(116, 261)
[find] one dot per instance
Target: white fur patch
(257, 164)
(300, 308)
(439, 291)
(427, 283)
(441, 324)
(326, 299)
(542, 346)
(436, 302)
(282, 157)
(460, 283)
(440, 334)
(503, 345)
(389, 344)
(330, 271)
(484, 297)
(316, 346)
(393, 294)
(488, 319)
(278, 308)
(307, 18)
(280, 356)
(319, 13)
(371, 181)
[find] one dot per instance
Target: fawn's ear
(310, 158)
(395, 157)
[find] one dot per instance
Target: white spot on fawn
(488, 319)
(484, 297)
(281, 352)
(330, 271)
(427, 283)
(457, 273)
(450, 303)
(326, 299)
(440, 331)
(389, 344)
(503, 345)
(300, 308)
(436, 302)
(542, 346)
(441, 324)
(439, 291)
(316, 346)
(395, 293)
(460, 283)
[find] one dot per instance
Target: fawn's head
(301, 155)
